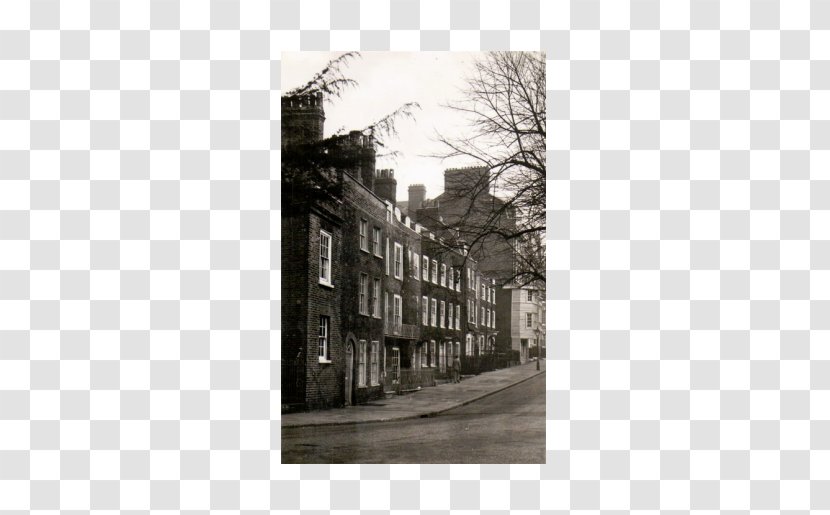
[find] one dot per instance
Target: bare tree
(310, 168)
(502, 209)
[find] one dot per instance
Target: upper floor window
(432, 312)
(442, 317)
(325, 258)
(376, 298)
(443, 275)
(458, 317)
(457, 275)
(425, 309)
(449, 315)
(387, 256)
(530, 295)
(364, 235)
(397, 312)
(426, 269)
(398, 261)
(416, 266)
(434, 271)
(483, 292)
(376, 241)
(528, 320)
(483, 320)
(323, 339)
(363, 295)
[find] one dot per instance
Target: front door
(349, 370)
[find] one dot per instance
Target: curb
(428, 414)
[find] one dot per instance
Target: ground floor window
(323, 346)
(396, 364)
(424, 355)
(433, 357)
(374, 363)
(442, 348)
(361, 363)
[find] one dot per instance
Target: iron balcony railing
(408, 331)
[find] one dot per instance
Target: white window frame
(529, 295)
(449, 315)
(483, 320)
(528, 320)
(364, 235)
(363, 295)
(424, 362)
(458, 280)
(416, 264)
(442, 321)
(458, 317)
(426, 268)
(325, 258)
(373, 363)
(469, 345)
(386, 252)
(376, 239)
(433, 309)
(425, 309)
(397, 311)
(361, 363)
(433, 357)
(443, 275)
(323, 339)
(398, 261)
(434, 271)
(376, 297)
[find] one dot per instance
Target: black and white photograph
(413, 257)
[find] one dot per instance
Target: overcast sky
(386, 81)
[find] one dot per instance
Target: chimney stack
(386, 186)
(417, 194)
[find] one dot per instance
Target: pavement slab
(427, 402)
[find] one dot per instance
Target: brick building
(492, 329)
(359, 276)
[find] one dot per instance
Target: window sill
(365, 250)
(379, 256)
(326, 284)
(324, 361)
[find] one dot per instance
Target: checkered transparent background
(689, 256)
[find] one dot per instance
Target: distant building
(495, 257)
(526, 306)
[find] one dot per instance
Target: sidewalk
(424, 403)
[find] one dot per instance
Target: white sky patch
(387, 80)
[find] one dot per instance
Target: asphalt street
(506, 427)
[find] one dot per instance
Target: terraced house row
(373, 302)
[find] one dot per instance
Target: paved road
(506, 427)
